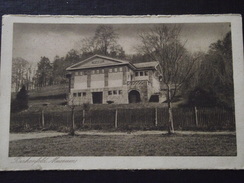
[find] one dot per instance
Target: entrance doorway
(134, 96)
(97, 97)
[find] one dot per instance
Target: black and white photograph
(122, 88)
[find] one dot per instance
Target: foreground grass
(127, 145)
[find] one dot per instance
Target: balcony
(138, 83)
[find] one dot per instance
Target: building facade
(103, 80)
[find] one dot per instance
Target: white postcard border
(183, 162)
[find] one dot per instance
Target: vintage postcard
(122, 92)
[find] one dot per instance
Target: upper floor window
(141, 73)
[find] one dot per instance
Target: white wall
(97, 81)
(115, 79)
(80, 82)
(156, 84)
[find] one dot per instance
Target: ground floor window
(79, 94)
(115, 92)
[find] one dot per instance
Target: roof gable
(146, 65)
(97, 61)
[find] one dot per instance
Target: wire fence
(128, 119)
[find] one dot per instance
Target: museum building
(103, 80)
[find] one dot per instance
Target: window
(85, 72)
(93, 72)
(110, 70)
(137, 73)
(84, 94)
(146, 73)
(115, 69)
(79, 94)
(81, 73)
(141, 73)
(76, 73)
(102, 70)
(115, 92)
(120, 92)
(97, 71)
(109, 92)
(120, 69)
(74, 94)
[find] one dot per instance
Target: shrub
(21, 101)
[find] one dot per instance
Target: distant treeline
(211, 83)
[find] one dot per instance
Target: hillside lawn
(127, 145)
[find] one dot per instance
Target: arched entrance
(134, 96)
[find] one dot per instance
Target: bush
(21, 101)
(201, 98)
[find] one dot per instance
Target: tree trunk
(43, 120)
(170, 122)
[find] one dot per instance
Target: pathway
(35, 135)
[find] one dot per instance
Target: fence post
(116, 118)
(196, 116)
(84, 115)
(156, 116)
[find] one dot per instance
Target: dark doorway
(97, 97)
(134, 96)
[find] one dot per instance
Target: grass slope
(47, 91)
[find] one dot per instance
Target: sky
(33, 41)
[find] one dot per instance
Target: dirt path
(35, 135)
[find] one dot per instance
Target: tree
(216, 72)
(44, 73)
(162, 43)
(20, 72)
(60, 65)
(21, 101)
(103, 42)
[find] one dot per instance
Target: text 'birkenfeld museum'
(102, 80)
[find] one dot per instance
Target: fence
(145, 118)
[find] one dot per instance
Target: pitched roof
(143, 65)
(108, 62)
